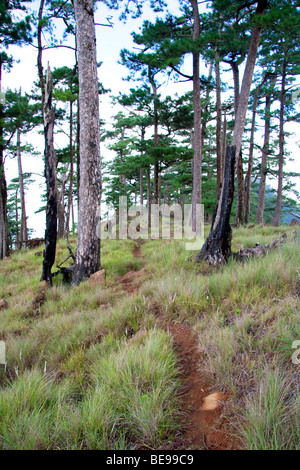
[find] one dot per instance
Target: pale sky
(109, 43)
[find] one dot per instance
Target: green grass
(90, 368)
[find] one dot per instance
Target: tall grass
(89, 368)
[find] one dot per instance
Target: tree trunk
(141, 186)
(3, 209)
(40, 51)
(70, 193)
(219, 124)
(204, 111)
(236, 85)
(218, 244)
(197, 161)
(50, 174)
(4, 249)
(18, 245)
(217, 247)
(277, 213)
(149, 197)
(247, 81)
(240, 117)
(240, 203)
(61, 212)
(250, 161)
(155, 114)
(23, 230)
(88, 244)
(264, 163)
(224, 145)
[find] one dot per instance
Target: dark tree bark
(4, 248)
(240, 117)
(217, 247)
(155, 143)
(61, 210)
(50, 175)
(70, 192)
(141, 186)
(219, 124)
(88, 244)
(264, 163)
(224, 145)
(23, 230)
(205, 110)
(3, 208)
(149, 197)
(247, 81)
(250, 160)
(236, 83)
(197, 138)
(277, 213)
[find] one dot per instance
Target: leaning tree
(217, 247)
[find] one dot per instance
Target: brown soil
(137, 252)
(132, 280)
(202, 429)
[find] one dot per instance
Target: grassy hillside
(98, 368)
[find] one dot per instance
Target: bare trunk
(141, 186)
(40, 51)
(155, 113)
(70, 194)
(88, 244)
(224, 145)
(50, 174)
(250, 161)
(204, 111)
(61, 212)
(149, 197)
(18, 245)
(78, 151)
(236, 83)
(240, 117)
(23, 230)
(277, 213)
(217, 247)
(197, 161)
(159, 187)
(247, 81)
(3, 190)
(155, 182)
(3, 210)
(264, 163)
(219, 124)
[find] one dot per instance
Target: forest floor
(167, 354)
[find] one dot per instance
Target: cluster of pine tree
(166, 148)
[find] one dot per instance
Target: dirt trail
(132, 280)
(137, 252)
(202, 428)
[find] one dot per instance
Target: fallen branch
(295, 215)
(259, 250)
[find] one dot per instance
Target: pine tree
(17, 33)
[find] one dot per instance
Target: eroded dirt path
(204, 425)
